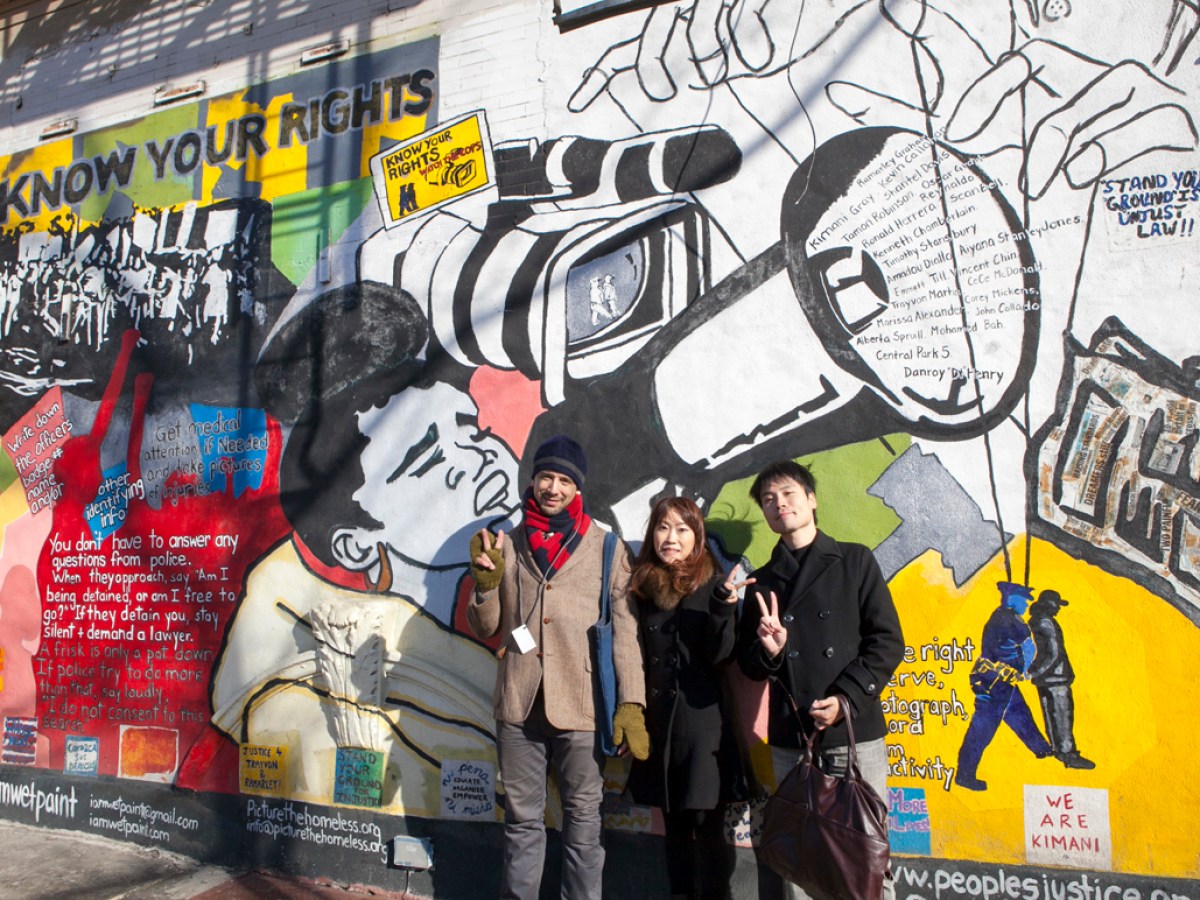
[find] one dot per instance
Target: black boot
(970, 782)
(1075, 760)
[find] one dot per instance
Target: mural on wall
(266, 362)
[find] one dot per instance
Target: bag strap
(811, 742)
(610, 547)
(851, 744)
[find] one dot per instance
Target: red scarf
(552, 539)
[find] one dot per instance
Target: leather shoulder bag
(827, 833)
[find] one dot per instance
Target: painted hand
(1097, 119)
(629, 727)
(687, 47)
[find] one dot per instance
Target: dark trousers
(1058, 709)
(1003, 703)
(699, 859)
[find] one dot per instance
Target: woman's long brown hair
(686, 575)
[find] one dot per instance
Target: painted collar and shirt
(270, 686)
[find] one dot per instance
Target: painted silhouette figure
(1052, 674)
(1005, 653)
(597, 302)
(610, 296)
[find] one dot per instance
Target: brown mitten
(629, 727)
(486, 580)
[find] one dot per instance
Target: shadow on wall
(103, 43)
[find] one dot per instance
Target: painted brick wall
(269, 356)
(106, 63)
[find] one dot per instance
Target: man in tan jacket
(540, 590)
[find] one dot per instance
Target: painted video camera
(575, 254)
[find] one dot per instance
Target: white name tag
(523, 638)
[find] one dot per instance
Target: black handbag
(827, 833)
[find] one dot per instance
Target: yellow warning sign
(433, 168)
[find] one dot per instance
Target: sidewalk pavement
(51, 864)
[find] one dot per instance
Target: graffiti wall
(268, 358)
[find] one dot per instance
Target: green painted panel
(151, 192)
(299, 222)
(8, 472)
(845, 510)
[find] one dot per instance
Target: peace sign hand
(770, 631)
(487, 560)
(731, 586)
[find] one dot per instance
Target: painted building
(289, 292)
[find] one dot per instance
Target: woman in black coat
(687, 612)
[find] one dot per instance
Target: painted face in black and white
(433, 477)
